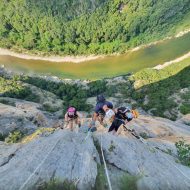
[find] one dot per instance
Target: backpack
(123, 110)
(135, 113)
(124, 113)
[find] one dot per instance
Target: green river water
(104, 67)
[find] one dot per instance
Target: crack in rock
(4, 160)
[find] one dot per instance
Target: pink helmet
(71, 110)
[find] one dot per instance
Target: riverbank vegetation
(88, 27)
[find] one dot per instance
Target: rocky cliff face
(76, 157)
(62, 155)
(23, 116)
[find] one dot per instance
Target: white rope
(178, 169)
(38, 167)
(105, 167)
(144, 142)
(43, 161)
(169, 162)
(88, 134)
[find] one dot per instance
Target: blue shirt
(99, 106)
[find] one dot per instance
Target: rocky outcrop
(48, 100)
(157, 170)
(153, 159)
(76, 156)
(63, 155)
(12, 119)
(159, 128)
(7, 152)
(24, 116)
(185, 120)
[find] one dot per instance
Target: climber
(72, 116)
(99, 112)
(123, 116)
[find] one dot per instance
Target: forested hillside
(65, 9)
(88, 26)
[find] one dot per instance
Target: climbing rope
(84, 140)
(45, 158)
(105, 167)
(88, 134)
(132, 131)
(103, 157)
(39, 166)
(144, 142)
(177, 169)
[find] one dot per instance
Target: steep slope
(165, 92)
(76, 157)
(154, 160)
(67, 158)
(23, 116)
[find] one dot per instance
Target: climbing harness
(39, 166)
(105, 167)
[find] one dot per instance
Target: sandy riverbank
(180, 34)
(159, 67)
(78, 59)
(73, 59)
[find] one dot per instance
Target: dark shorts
(115, 125)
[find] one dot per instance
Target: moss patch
(129, 182)
(36, 134)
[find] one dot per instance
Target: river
(106, 66)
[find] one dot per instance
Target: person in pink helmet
(72, 117)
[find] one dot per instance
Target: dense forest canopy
(88, 26)
(67, 9)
